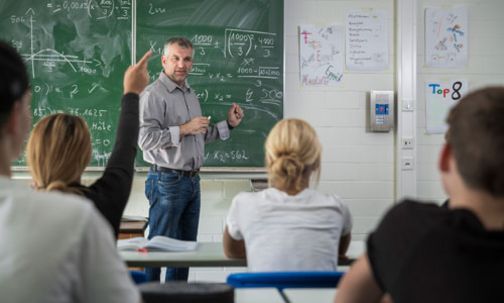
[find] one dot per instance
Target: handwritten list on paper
(446, 37)
(367, 40)
(320, 54)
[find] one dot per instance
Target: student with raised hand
(289, 227)
(53, 247)
(421, 252)
(59, 149)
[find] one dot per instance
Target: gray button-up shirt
(164, 106)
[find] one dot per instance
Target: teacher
(172, 136)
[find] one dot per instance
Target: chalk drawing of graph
(50, 57)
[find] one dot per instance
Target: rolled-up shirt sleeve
(152, 135)
(218, 131)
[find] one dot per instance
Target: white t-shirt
(57, 248)
(289, 233)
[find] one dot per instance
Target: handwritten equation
(96, 9)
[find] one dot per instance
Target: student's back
(56, 248)
(451, 258)
(289, 227)
(287, 233)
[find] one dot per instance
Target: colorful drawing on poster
(446, 37)
(320, 54)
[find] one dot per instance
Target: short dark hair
(476, 135)
(180, 41)
(13, 79)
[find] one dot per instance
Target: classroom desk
(262, 295)
(206, 255)
(303, 295)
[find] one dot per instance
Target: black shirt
(425, 253)
(110, 193)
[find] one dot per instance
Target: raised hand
(136, 77)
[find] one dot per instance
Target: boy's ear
(444, 158)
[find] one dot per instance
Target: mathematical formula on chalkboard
(77, 50)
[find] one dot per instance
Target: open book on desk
(157, 243)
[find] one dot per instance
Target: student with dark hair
(424, 253)
(53, 247)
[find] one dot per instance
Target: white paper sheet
(446, 37)
(367, 44)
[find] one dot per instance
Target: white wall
(356, 164)
(485, 67)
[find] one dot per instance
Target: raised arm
(112, 190)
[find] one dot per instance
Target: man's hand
(235, 115)
(136, 77)
(197, 125)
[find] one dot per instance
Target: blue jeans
(174, 201)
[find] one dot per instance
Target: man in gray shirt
(172, 136)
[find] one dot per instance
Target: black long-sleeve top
(110, 193)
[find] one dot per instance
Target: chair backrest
(184, 292)
(281, 280)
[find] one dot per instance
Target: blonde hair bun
(293, 153)
(287, 166)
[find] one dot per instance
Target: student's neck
(292, 191)
(488, 209)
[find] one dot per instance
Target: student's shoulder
(246, 197)
(414, 211)
(409, 219)
(58, 207)
(330, 199)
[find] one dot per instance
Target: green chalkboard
(76, 52)
(238, 57)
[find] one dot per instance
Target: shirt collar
(170, 85)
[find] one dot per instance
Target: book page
(169, 244)
(132, 243)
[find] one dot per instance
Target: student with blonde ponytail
(59, 149)
(289, 227)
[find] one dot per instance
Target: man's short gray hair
(183, 42)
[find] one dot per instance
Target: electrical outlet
(407, 143)
(407, 164)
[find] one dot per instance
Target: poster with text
(440, 97)
(367, 43)
(446, 37)
(320, 54)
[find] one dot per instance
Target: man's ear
(444, 158)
